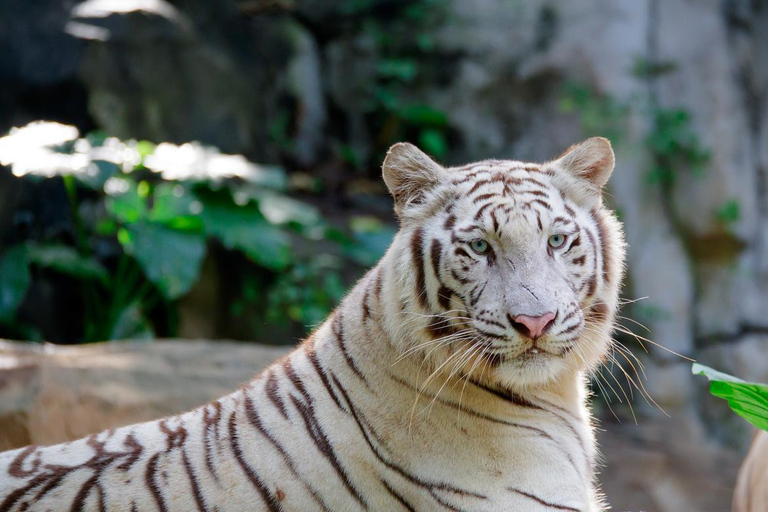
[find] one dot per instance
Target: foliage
(674, 145)
(143, 218)
(747, 399)
(599, 114)
(729, 212)
(646, 70)
(671, 141)
(405, 62)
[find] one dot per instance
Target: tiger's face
(517, 264)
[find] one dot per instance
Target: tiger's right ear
(409, 175)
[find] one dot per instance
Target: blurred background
(211, 170)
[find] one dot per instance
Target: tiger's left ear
(410, 175)
(592, 163)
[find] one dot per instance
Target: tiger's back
(432, 386)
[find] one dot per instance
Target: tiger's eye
(556, 241)
(479, 245)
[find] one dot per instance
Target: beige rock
(50, 394)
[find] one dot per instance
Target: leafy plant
(674, 145)
(143, 218)
(747, 399)
(405, 60)
(729, 212)
(599, 114)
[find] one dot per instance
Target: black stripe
(602, 231)
(312, 354)
(479, 212)
(399, 497)
(255, 420)
(193, 481)
(337, 327)
(592, 284)
(211, 429)
(364, 430)
(79, 501)
(520, 401)
(271, 501)
(491, 419)
(366, 307)
(417, 242)
(541, 501)
(271, 388)
(482, 197)
(306, 410)
(149, 479)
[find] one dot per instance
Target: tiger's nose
(533, 326)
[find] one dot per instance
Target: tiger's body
(429, 387)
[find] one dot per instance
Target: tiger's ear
(410, 175)
(592, 163)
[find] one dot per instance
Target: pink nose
(533, 326)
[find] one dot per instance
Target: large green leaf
(14, 281)
(423, 115)
(244, 228)
(65, 259)
(176, 207)
(747, 399)
(124, 200)
(170, 258)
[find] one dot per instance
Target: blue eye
(556, 241)
(479, 245)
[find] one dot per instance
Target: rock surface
(51, 394)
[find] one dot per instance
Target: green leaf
(170, 258)
(433, 142)
(14, 281)
(123, 200)
(747, 399)
(281, 210)
(145, 148)
(66, 260)
(423, 115)
(729, 212)
(97, 174)
(176, 207)
(402, 69)
(106, 227)
(244, 228)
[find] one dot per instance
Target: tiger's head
(509, 271)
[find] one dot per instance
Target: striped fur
(418, 392)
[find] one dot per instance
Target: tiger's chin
(529, 370)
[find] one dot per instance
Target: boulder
(51, 394)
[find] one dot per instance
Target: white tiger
(452, 377)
